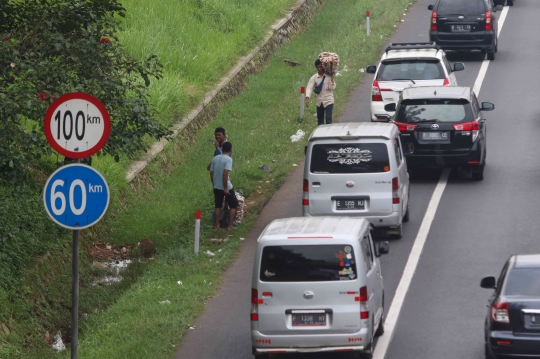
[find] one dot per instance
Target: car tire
(487, 353)
(406, 216)
(491, 56)
(380, 328)
(510, 2)
(478, 173)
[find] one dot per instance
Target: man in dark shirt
(221, 138)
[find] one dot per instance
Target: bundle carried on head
(330, 62)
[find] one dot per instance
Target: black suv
(442, 126)
(465, 25)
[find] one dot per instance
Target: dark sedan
(512, 327)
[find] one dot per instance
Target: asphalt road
(477, 225)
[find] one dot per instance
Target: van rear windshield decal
(349, 158)
(307, 263)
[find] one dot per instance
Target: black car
(442, 126)
(465, 25)
(512, 328)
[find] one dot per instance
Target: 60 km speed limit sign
(77, 125)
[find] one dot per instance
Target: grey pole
(75, 292)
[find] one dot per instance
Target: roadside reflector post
(368, 28)
(302, 101)
(197, 230)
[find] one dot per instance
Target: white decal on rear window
(269, 274)
(349, 156)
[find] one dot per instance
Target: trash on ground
(58, 344)
(298, 136)
(210, 253)
(265, 168)
(165, 302)
(180, 282)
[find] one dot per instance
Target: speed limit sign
(77, 125)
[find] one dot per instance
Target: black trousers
(321, 111)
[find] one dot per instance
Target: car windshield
(307, 263)
(350, 158)
(411, 70)
(434, 110)
(459, 7)
(523, 282)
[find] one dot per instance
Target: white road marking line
(485, 63)
(421, 237)
(410, 268)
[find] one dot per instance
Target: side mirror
(390, 107)
(384, 248)
(487, 106)
(371, 69)
(305, 150)
(488, 282)
(459, 66)
(498, 8)
(430, 7)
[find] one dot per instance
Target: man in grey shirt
(220, 167)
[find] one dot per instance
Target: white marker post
(302, 101)
(197, 230)
(368, 28)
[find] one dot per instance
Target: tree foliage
(52, 47)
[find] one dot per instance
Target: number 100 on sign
(77, 125)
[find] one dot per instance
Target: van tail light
(395, 189)
(446, 82)
(376, 92)
(405, 127)
(489, 24)
(305, 199)
(255, 301)
(499, 312)
(468, 126)
(364, 312)
(434, 21)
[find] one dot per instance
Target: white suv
(406, 65)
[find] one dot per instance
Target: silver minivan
(357, 169)
(317, 286)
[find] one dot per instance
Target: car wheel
(380, 328)
(509, 2)
(488, 354)
(406, 216)
(478, 173)
(491, 56)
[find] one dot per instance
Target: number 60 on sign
(76, 196)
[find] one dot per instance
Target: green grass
(126, 320)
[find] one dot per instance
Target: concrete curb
(232, 83)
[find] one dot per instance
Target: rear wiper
(427, 121)
(404, 80)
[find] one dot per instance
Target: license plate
(350, 204)
(461, 28)
(309, 320)
(435, 136)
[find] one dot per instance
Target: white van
(317, 286)
(357, 169)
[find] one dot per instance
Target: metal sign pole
(75, 292)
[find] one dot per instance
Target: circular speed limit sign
(77, 125)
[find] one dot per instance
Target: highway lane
(223, 330)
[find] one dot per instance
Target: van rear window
(349, 158)
(308, 263)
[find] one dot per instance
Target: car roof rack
(412, 45)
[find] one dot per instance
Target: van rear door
(350, 178)
(309, 289)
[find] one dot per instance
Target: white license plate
(435, 136)
(344, 204)
(309, 320)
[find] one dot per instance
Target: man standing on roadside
(325, 98)
(221, 138)
(220, 167)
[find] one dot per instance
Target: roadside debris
(58, 344)
(265, 168)
(165, 302)
(298, 136)
(210, 253)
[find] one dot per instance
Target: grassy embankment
(259, 122)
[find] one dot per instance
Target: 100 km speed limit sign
(77, 125)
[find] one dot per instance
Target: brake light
(395, 188)
(499, 312)
(489, 25)
(376, 92)
(255, 301)
(305, 199)
(446, 82)
(364, 312)
(468, 126)
(434, 21)
(405, 127)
